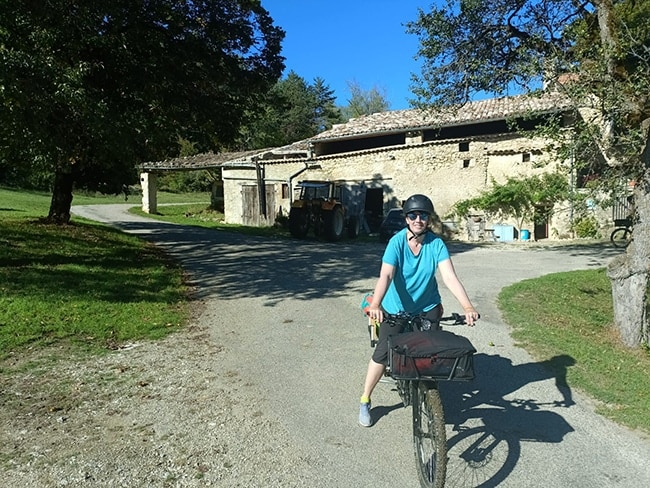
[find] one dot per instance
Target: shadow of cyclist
(490, 419)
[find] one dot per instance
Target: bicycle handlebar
(419, 319)
(414, 322)
(457, 318)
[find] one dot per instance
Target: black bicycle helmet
(418, 203)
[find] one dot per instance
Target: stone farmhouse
(383, 158)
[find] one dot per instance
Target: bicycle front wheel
(429, 435)
(621, 237)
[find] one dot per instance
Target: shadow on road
(232, 266)
(486, 429)
(221, 263)
(383, 410)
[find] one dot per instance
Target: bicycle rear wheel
(621, 237)
(429, 435)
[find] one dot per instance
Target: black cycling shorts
(387, 329)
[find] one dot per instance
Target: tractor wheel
(298, 222)
(354, 227)
(334, 222)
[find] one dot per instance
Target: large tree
(327, 113)
(292, 110)
(596, 53)
(89, 88)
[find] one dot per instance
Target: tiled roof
(200, 161)
(377, 123)
(478, 111)
(243, 158)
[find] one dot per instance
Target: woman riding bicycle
(407, 283)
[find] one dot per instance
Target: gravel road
(262, 388)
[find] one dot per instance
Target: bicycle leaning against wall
(419, 357)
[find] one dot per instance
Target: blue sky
(363, 41)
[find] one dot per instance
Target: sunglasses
(414, 215)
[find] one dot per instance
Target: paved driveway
(289, 312)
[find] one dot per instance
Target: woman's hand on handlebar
(376, 313)
(471, 316)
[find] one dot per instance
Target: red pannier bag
(437, 355)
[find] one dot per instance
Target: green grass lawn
(83, 285)
(571, 314)
(23, 203)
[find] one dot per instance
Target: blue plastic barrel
(525, 234)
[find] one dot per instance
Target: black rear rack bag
(436, 355)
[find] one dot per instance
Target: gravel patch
(150, 414)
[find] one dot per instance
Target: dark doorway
(374, 212)
(541, 222)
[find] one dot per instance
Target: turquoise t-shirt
(414, 287)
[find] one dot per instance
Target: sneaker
(364, 415)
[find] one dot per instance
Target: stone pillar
(149, 184)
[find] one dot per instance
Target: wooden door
(251, 214)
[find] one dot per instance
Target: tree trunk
(61, 198)
(628, 290)
(629, 274)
